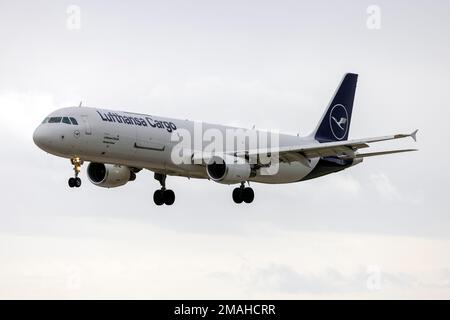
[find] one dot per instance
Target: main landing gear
(243, 194)
(75, 182)
(163, 195)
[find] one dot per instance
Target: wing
(303, 153)
(343, 149)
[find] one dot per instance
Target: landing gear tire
(166, 197)
(237, 195)
(248, 195)
(169, 197)
(158, 197)
(75, 182)
(163, 196)
(243, 194)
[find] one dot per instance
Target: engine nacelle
(109, 175)
(229, 170)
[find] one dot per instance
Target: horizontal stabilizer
(382, 153)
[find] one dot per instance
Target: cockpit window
(66, 120)
(55, 120)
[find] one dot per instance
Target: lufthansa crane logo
(339, 121)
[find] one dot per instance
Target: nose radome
(36, 136)
(41, 137)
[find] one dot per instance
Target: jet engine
(109, 175)
(229, 170)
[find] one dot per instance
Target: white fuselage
(100, 137)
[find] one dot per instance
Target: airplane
(119, 144)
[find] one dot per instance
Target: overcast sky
(378, 230)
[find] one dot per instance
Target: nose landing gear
(243, 194)
(163, 195)
(75, 182)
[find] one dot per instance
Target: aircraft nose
(37, 136)
(41, 137)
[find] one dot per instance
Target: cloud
(384, 186)
(286, 281)
(345, 183)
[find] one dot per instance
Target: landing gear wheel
(163, 196)
(248, 195)
(158, 197)
(75, 182)
(169, 197)
(237, 195)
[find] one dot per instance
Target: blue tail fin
(335, 123)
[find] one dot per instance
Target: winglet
(414, 135)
